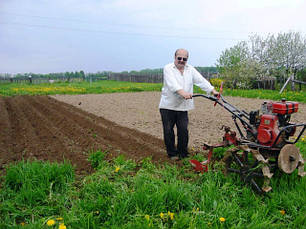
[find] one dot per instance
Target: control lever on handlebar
(220, 92)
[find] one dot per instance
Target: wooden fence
(147, 78)
(40, 80)
(130, 77)
(265, 83)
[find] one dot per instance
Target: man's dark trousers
(180, 119)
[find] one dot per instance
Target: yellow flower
(161, 215)
(222, 219)
(50, 222)
(282, 212)
(62, 226)
(171, 215)
(147, 217)
(59, 218)
(117, 169)
(22, 223)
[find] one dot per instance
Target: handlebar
(242, 116)
(212, 98)
(222, 102)
(206, 96)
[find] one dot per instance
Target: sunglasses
(180, 58)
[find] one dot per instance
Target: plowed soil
(46, 129)
(69, 127)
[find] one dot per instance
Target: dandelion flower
(59, 218)
(117, 169)
(161, 215)
(147, 217)
(171, 215)
(62, 226)
(22, 223)
(51, 222)
(222, 219)
(282, 212)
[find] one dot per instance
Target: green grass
(106, 86)
(34, 190)
(76, 88)
(298, 96)
(122, 194)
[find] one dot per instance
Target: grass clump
(33, 190)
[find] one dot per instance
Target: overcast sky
(43, 36)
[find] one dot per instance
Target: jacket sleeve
(170, 79)
(201, 82)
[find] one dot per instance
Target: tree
(82, 74)
(232, 63)
(289, 53)
(282, 55)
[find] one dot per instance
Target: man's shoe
(184, 156)
(174, 158)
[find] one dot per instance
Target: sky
(43, 36)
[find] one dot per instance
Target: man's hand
(215, 93)
(184, 94)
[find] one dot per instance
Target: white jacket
(174, 81)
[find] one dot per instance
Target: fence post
(289, 78)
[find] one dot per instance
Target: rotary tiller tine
(198, 166)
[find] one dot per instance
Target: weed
(95, 158)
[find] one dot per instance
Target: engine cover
(268, 129)
(284, 107)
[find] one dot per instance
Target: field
(139, 110)
(98, 161)
(46, 129)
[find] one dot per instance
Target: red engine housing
(268, 129)
(285, 107)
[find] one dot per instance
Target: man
(176, 100)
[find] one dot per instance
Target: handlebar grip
(206, 96)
